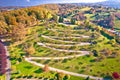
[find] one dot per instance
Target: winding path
(47, 37)
(83, 53)
(75, 36)
(58, 58)
(62, 30)
(63, 71)
(80, 44)
(83, 36)
(8, 67)
(8, 72)
(62, 50)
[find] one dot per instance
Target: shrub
(46, 68)
(116, 75)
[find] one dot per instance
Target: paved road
(61, 40)
(63, 71)
(62, 30)
(68, 24)
(78, 35)
(57, 58)
(8, 73)
(70, 37)
(8, 68)
(80, 44)
(62, 50)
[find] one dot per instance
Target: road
(63, 71)
(60, 40)
(80, 44)
(78, 35)
(62, 50)
(57, 58)
(74, 36)
(8, 68)
(8, 73)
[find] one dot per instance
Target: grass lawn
(117, 25)
(23, 69)
(85, 9)
(86, 65)
(76, 78)
(82, 65)
(2, 77)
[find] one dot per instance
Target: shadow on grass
(7, 43)
(46, 62)
(92, 60)
(38, 70)
(28, 67)
(107, 78)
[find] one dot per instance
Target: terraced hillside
(64, 45)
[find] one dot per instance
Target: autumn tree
(10, 20)
(60, 76)
(55, 18)
(3, 27)
(46, 68)
(18, 33)
(29, 49)
(116, 75)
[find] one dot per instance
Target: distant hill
(10, 8)
(111, 3)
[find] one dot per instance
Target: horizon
(6, 3)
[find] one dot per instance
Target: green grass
(27, 69)
(85, 9)
(76, 78)
(86, 65)
(83, 65)
(117, 25)
(2, 77)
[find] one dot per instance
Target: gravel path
(80, 44)
(63, 71)
(47, 37)
(62, 50)
(58, 58)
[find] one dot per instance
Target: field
(55, 41)
(56, 49)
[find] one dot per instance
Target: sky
(37, 2)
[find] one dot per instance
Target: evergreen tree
(61, 19)
(73, 21)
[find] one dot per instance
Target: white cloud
(28, 0)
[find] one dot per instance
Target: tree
(55, 18)
(18, 33)
(66, 77)
(73, 21)
(88, 78)
(60, 76)
(116, 75)
(61, 19)
(29, 49)
(46, 68)
(3, 27)
(108, 52)
(10, 20)
(87, 24)
(95, 53)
